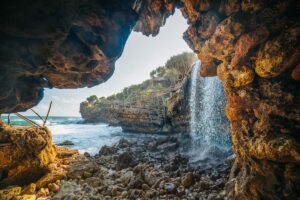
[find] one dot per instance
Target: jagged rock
(123, 143)
(53, 187)
(10, 193)
(125, 160)
(170, 188)
(106, 150)
(187, 180)
(32, 152)
(27, 197)
(30, 189)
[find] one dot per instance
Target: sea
(86, 137)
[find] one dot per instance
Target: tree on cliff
(181, 63)
(92, 99)
(162, 78)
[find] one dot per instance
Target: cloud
(65, 100)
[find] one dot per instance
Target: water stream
(208, 124)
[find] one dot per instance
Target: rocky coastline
(155, 168)
(143, 170)
(158, 105)
(154, 115)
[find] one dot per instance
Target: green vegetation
(163, 79)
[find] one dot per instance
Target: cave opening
(252, 46)
(141, 56)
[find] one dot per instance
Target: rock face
(253, 46)
(166, 113)
(58, 44)
(157, 105)
(25, 155)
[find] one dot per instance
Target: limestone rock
(33, 152)
(10, 193)
(68, 49)
(106, 150)
(187, 180)
(30, 189)
(27, 197)
(125, 160)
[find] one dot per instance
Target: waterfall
(193, 98)
(209, 128)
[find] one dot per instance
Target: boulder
(106, 150)
(187, 180)
(125, 160)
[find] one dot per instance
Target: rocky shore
(154, 169)
(31, 167)
(154, 115)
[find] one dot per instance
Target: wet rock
(170, 188)
(123, 143)
(114, 192)
(125, 160)
(168, 146)
(86, 154)
(66, 143)
(124, 194)
(87, 174)
(180, 190)
(187, 180)
(106, 150)
(126, 177)
(150, 194)
(135, 193)
(145, 187)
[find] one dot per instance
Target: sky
(141, 55)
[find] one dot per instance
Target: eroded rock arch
(253, 47)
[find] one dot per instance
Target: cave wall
(66, 44)
(61, 44)
(252, 46)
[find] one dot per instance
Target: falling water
(208, 125)
(193, 97)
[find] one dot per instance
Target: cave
(252, 46)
